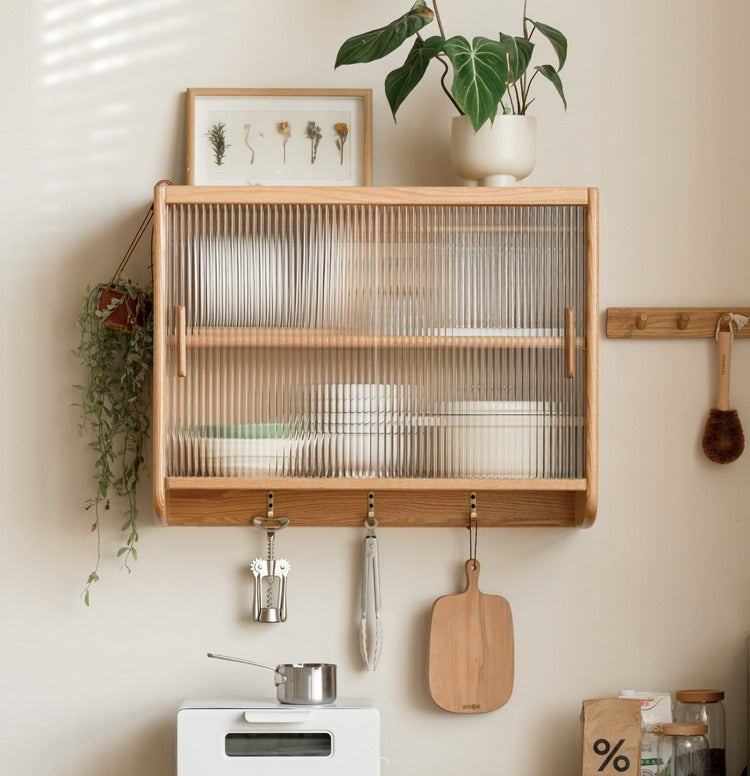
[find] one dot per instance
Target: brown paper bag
(611, 737)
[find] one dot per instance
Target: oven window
(278, 744)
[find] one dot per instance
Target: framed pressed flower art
(279, 137)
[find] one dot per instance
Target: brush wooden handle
(723, 365)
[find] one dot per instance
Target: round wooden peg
(641, 320)
(682, 321)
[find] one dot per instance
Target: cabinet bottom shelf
(217, 501)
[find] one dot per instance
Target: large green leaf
(376, 44)
(556, 38)
(519, 55)
(550, 74)
(480, 76)
(399, 83)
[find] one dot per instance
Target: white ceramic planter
(499, 154)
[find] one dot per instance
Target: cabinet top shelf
(456, 196)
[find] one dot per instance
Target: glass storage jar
(682, 748)
(706, 706)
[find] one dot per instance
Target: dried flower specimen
(285, 130)
(313, 133)
(217, 137)
(247, 143)
(342, 131)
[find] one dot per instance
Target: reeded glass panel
(375, 341)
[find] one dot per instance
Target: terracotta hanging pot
(125, 313)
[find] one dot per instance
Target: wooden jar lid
(699, 696)
(682, 728)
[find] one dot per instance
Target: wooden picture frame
(279, 137)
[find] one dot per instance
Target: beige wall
(655, 596)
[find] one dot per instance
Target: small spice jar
(706, 706)
(682, 748)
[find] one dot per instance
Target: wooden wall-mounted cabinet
(417, 343)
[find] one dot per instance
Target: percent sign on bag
(621, 762)
(611, 737)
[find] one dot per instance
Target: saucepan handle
(277, 682)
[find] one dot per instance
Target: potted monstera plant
(493, 139)
(116, 351)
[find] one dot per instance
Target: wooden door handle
(180, 325)
(570, 342)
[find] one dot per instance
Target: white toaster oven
(234, 738)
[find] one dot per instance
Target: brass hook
(473, 527)
(269, 522)
(371, 521)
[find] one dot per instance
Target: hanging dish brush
(723, 438)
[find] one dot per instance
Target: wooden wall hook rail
(670, 322)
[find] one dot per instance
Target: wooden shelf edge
(437, 503)
(361, 484)
(377, 195)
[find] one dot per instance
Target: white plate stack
(244, 450)
(497, 438)
(361, 429)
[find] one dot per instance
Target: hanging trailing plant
(116, 350)
(116, 407)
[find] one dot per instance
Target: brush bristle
(723, 438)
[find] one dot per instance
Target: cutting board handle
(472, 576)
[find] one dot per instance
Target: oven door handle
(289, 717)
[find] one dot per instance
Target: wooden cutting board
(471, 649)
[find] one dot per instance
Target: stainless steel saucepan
(309, 684)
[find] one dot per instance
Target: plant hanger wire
(134, 243)
(121, 309)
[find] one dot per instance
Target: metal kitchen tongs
(370, 623)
